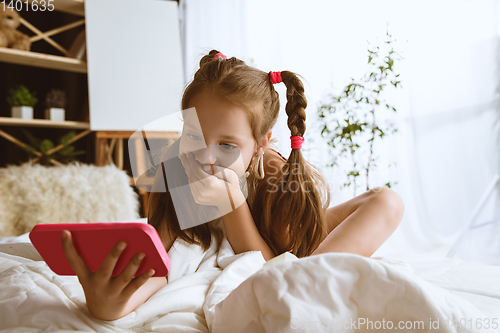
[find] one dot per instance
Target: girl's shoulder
(274, 151)
(273, 162)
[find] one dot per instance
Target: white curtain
(446, 150)
(208, 25)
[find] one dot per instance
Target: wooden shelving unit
(35, 59)
(49, 61)
(6, 121)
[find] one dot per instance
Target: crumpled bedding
(218, 291)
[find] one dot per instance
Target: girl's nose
(204, 156)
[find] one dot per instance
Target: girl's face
(218, 133)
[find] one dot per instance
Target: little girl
(287, 205)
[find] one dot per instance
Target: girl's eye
(193, 137)
(227, 146)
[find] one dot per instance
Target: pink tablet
(93, 241)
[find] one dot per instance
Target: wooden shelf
(128, 134)
(75, 7)
(7, 121)
(35, 59)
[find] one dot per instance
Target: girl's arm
(362, 224)
(242, 233)
(139, 297)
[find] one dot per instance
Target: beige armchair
(32, 194)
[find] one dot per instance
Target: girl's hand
(107, 296)
(221, 189)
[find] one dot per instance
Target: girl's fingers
(108, 265)
(197, 170)
(129, 271)
(188, 168)
(137, 282)
(76, 262)
(197, 173)
(223, 173)
(193, 169)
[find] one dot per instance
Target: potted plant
(55, 102)
(21, 101)
(352, 121)
(63, 153)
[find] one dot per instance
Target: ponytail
(297, 198)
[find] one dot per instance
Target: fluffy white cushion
(32, 194)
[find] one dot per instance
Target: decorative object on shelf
(351, 121)
(78, 49)
(10, 20)
(55, 102)
(48, 153)
(21, 101)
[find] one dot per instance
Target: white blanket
(223, 292)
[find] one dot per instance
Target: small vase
(54, 114)
(23, 112)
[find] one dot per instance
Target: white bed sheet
(476, 282)
(222, 292)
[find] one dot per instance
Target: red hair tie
(296, 141)
(219, 55)
(275, 77)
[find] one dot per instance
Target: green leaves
(65, 154)
(33, 140)
(389, 63)
(21, 96)
(65, 139)
(46, 145)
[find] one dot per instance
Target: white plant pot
(24, 112)
(55, 114)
